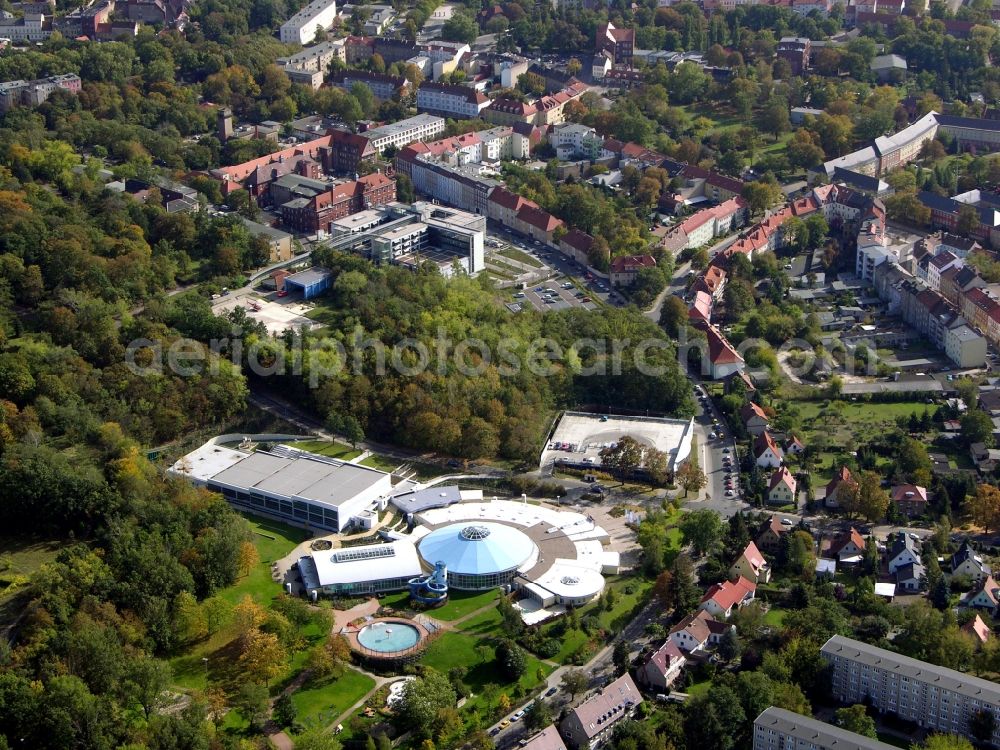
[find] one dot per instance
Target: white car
(711, 436)
(729, 493)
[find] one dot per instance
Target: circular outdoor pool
(388, 637)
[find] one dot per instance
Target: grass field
(775, 617)
(519, 255)
(452, 650)
(482, 624)
(461, 603)
(383, 463)
(327, 448)
(319, 705)
(212, 660)
(19, 558)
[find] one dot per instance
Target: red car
(283, 292)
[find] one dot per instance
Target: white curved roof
(477, 547)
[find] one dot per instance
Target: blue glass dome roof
(476, 548)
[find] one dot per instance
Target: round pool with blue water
(388, 637)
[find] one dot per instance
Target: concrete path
(343, 617)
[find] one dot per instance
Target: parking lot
(560, 269)
(555, 295)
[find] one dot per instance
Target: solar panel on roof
(370, 553)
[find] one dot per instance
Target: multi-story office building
(933, 697)
(780, 729)
(404, 132)
(301, 28)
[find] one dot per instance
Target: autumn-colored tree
(503, 703)
(690, 476)
(262, 657)
(663, 590)
(249, 615)
(249, 558)
(984, 506)
(873, 500)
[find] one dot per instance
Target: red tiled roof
(909, 493)
(578, 240)
(727, 594)
(978, 629)
(539, 218)
(782, 476)
(720, 351)
(751, 410)
(509, 200)
(625, 263)
(763, 442)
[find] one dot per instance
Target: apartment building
(590, 724)
(382, 86)
(301, 28)
(31, 27)
(935, 698)
(795, 51)
(309, 66)
(33, 93)
(447, 100)
(780, 729)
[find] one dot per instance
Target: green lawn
(319, 705)
(698, 688)
(328, 448)
(519, 255)
(212, 659)
(483, 624)
(612, 620)
(452, 650)
(383, 463)
(20, 557)
(273, 540)
(775, 617)
(461, 603)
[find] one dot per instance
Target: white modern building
(448, 100)
(292, 485)
(405, 132)
(301, 28)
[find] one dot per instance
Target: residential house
(547, 739)
(769, 538)
(754, 418)
(848, 547)
(978, 629)
(698, 631)
(910, 499)
(751, 565)
(902, 550)
(794, 446)
(766, 452)
(842, 479)
(985, 459)
(985, 595)
(625, 268)
(722, 359)
(662, 667)
(737, 382)
(968, 562)
(781, 490)
(590, 724)
(722, 598)
(911, 578)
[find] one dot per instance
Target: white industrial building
(554, 558)
(289, 484)
(301, 28)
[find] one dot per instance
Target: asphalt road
(712, 457)
(599, 669)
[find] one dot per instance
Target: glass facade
(298, 511)
(481, 581)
